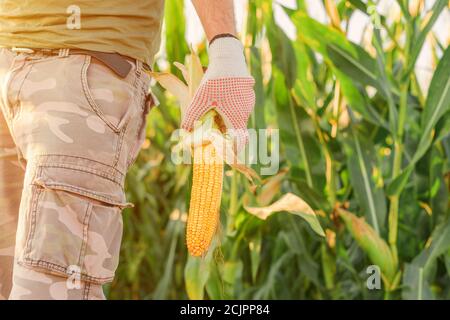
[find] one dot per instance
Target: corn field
(362, 142)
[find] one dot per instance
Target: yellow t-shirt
(128, 27)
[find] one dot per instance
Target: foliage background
(362, 142)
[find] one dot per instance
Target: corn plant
(364, 147)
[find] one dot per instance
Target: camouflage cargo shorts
(70, 128)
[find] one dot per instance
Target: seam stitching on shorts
(88, 96)
(143, 106)
(19, 91)
(86, 291)
(35, 199)
(58, 269)
(86, 222)
(137, 85)
(134, 150)
(87, 193)
(45, 163)
(119, 145)
(82, 169)
(126, 125)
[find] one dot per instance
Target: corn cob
(206, 194)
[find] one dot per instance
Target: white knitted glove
(226, 86)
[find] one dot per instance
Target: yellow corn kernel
(206, 195)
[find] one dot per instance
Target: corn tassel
(206, 194)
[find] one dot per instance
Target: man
(74, 99)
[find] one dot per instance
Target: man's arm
(227, 84)
(217, 16)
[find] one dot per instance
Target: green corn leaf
(304, 88)
(416, 279)
(196, 274)
(319, 38)
(366, 71)
(358, 65)
(360, 162)
(214, 285)
(258, 115)
(301, 5)
(444, 128)
(437, 9)
(358, 101)
(436, 187)
(289, 123)
(295, 240)
(373, 245)
(385, 83)
(404, 8)
(281, 47)
(358, 4)
(232, 272)
(437, 104)
(164, 284)
(447, 262)
(176, 46)
(274, 270)
(328, 266)
(416, 286)
(255, 254)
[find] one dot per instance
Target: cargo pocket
(75, 224)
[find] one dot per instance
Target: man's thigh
(78, 127)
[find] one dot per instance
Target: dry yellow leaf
(175, 86)
(293, 204)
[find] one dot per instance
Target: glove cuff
(226, 47)
(226, 59)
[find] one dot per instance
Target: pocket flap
(82, 182)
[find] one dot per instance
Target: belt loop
(63, 52)
(138, 67)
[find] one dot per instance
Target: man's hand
(227, 85)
